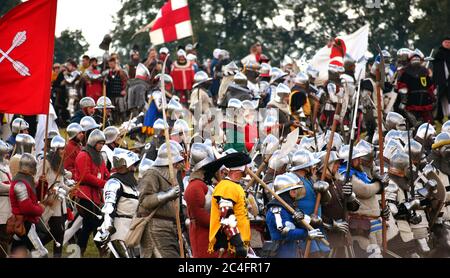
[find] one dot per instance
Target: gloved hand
(171, 194)
(236, 241)
(340, 226)
(298, 216)
(321, 186)
(347, 189)
(412, 205)
(316, 221)
(315, 234)
(383, 179)
(384, 213)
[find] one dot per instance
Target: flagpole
(42, 183)
(169, 155)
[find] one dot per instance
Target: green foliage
(70, 44)
(6, 5)
(236, 24)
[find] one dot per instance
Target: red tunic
(72, 150)
(199, 216)
(92, 178)
(183, 76)
(94, 88)
(28, 208)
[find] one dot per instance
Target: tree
(70, 44)
(229, 24)
(433, 25)
(6, 5)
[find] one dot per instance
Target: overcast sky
(92, 17)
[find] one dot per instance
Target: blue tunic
(290, 247)
(306, 204)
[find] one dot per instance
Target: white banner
(357, 45)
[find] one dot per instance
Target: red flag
(27, 35)
(173, 22)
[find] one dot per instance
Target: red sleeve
(401, 85)
(83, 165)
(28, 208)
(124, 79)
(195, 199)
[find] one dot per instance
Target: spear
(379, 86)
(169, 155)
(282, 202)
(325, 165)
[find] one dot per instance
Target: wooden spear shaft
(381, 147)
(325, 167)
(169, 155)
(45, 154)
(282, 202)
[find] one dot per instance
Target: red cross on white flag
(173, 22)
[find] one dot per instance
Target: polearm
(169, 155)
(336, 118)
(379, 85)
(261, 168)
(283, 203)
(43, 179)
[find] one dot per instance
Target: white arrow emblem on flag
(19, 39)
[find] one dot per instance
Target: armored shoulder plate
(21, 192)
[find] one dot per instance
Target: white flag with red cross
(173, 22)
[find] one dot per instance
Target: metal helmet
(87, 102)
(5, 148)
(95, 137)
(111, 134)
(180, 126)
(240, 79)
(104, 101)
(200, 78)
(58, 143)
(174, 105)
(160, 125)
(28, 164)
(301, 78)
(230, 69)
(404, 136)
(446, 127)
(264, 71)
(398, 163)
(73, 130)
(277, 162)
(422, 130)
(395, 121)
(443, 139)
(249, 105)
(343, 152)
(303, 159)
(334, 156)
(281, 91)
(392, 134)
(166, 77)
(234, 103)
(417, 53)
(88, 123)
(124, 158)
(391, 148)
(24, 143)
(276, 74)
(201, 155)
(366, 148)
(19, 125)
(142, 70)
(338, 141)
(417, 153)
(403, 54)
(270, 144)
(314, 73)
(144, 166)
(308, 143)
(286, 182)
(163, 156)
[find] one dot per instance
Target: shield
(437, 198)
